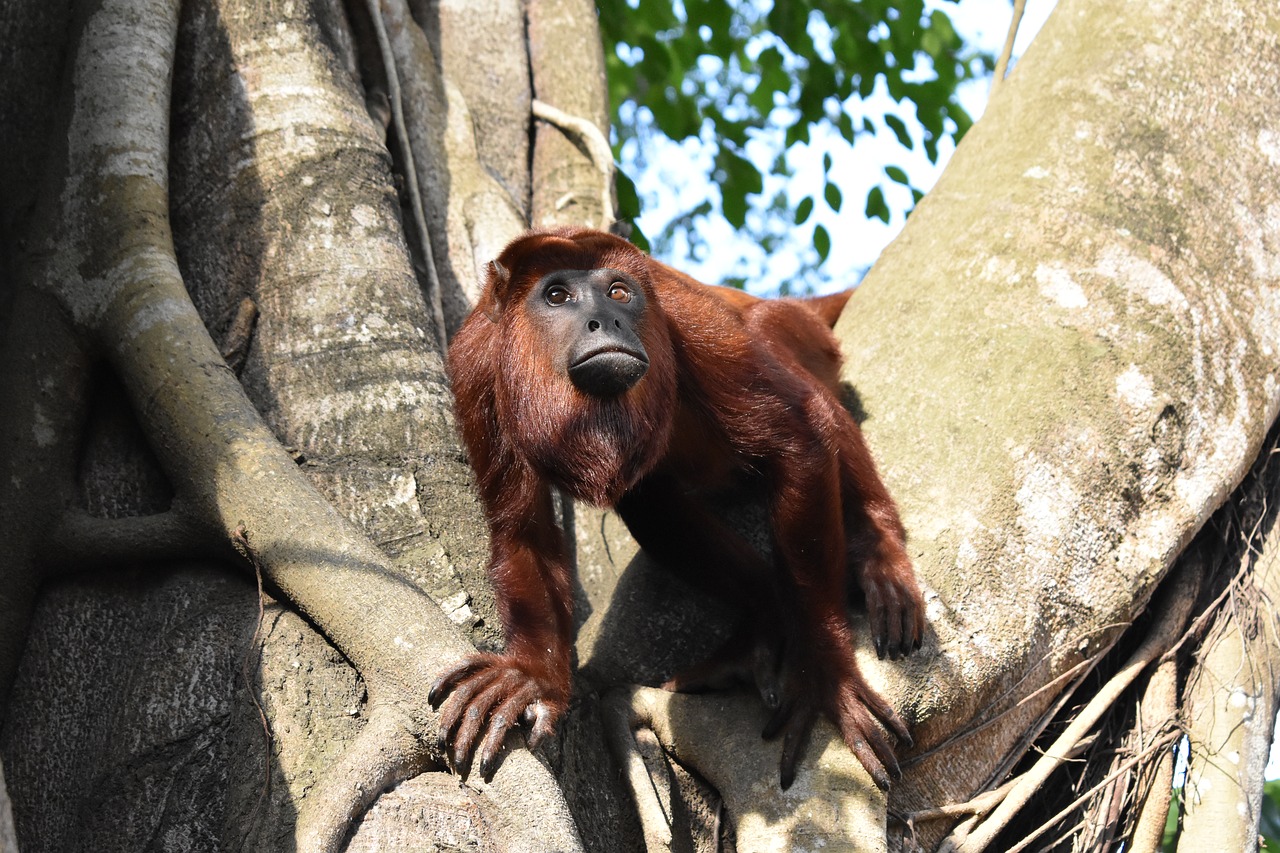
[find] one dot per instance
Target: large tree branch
(1069, 358)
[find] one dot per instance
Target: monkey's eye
(557, 295)
(619, 292)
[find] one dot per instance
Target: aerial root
(384, 753)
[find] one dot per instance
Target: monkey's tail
(828, 307)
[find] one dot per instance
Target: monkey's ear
(497, 284)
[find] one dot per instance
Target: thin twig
(1002, 64)
(593, 142)
(410, 173)
(240, 541)
(979, 805)
(1078, 672)
(1124, 768)
(1177, 606)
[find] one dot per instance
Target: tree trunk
(1069, 358)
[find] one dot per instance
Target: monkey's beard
(595, 448)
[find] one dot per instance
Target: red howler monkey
(590, 366)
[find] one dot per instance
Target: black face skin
(592, 316)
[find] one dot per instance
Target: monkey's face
(591, 319)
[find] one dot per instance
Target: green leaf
(677, 118)
(876, 206)
(940, 25)
(1169, 843)
(821, 242)
(786, 24)
(655, 16)
(797, 134)
(803, 210)
(832, 194)
(656, 65)
(713, 14)
(931, 148)
(845, 125)
(628, 198)
(638, 239)
(743, 171)
(826, 162)
(899, 129)
(740, 178)
(734, 205)
(771, 75)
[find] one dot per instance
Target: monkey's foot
(746, 658)
(484, 697)
(858, 712)
(895, 607)
(796, 688)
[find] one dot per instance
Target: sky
(667, 189)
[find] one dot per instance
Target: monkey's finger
(868, 742)
(910, 634)
(883, 711)
(500, 722)
(476, 716)
(884, 751)
(872, 762)
(795, 738)
(459, 700)
(876, 618)
(543, 722)
(442, 686)
(780, 717)
(767, 669)
(893, 622)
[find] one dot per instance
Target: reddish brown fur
(737, 388)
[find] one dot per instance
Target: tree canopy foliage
(756, 81)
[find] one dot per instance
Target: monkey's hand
(487, 694)
(809, 687)
(895, 607)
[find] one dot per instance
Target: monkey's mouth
(608, 371)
